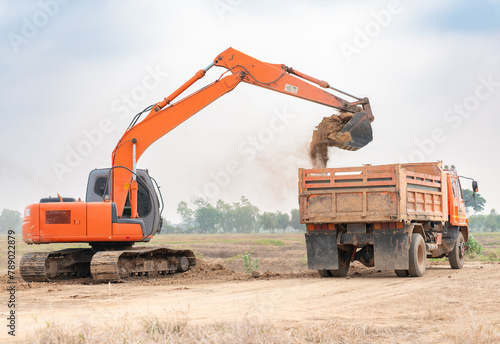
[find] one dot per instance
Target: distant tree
(237, 217)
(245, 216)
(10, 220)
(168, 227)
(268, 221)
(476, 223)
(187, 216)
(227, 213)
(475, 205)
(283, 220)
(295, 220)
(206, 216)
(492, 221)
(185, 212)
(485, 223)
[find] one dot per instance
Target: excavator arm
(165, 115)
(283, 79)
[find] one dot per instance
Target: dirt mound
(19, 283)
(201, 273)
(206, 270)
(215, 271)
(328, 129)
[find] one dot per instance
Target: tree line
(478, 222)
(485, 223)
(236, 217)
(10, 220)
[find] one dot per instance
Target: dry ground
(217, 302)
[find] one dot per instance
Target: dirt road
(437, 307)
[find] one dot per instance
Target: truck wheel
(344, 263)
(324, 273)
(457, 256)
(417, 256)
(402, 273)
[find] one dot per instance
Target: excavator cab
(148, 204)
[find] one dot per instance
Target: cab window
(460, 192)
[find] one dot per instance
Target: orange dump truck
(391, 217)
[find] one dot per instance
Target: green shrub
(249, 264)
(473, 246)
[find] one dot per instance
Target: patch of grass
(491, 256)
(154, 326)
(473, 330)
(303, 260)
(437, 259)
(245, 331)
(270, 242)
(493, 243)
(238, 256)
(490, 242)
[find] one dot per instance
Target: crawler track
(104, 266)
(55, 265)
(115, 266)
(32, 267)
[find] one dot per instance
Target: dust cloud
(328, 129)
(279, 171)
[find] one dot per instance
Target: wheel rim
(420, 255)
(461, 249)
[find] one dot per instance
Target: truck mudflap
(391, 250)
(322, 253)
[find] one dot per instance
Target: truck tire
(457, 256)
(324, 273)
(344, 263)
(417, 256)
(402, 273)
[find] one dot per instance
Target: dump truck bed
(384, 193)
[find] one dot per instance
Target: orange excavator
(122, 205)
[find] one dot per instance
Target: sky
(73, 74)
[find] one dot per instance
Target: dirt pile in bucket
(328, 129)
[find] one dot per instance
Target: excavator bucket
(355, 134)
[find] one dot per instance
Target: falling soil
(328, 129)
